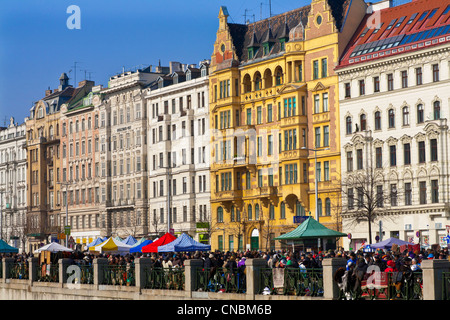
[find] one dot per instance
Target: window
(326, 136)
(347, 90)
(316, 103)
(378, 120)
(437, 110)
(419, 80)
(362, 121)
(390, 82)
(407, 153)
(349, 161)
(393, 195)
(325, 102)
(327, 207)
(421, 151)
(434, 191)
(379, 197)
(348, 125)
(319, 207)
(393, 155)
(408, 194)
(376, 84)
(315, 69)
(259, 115)
(326, 171)
(433, 149)
(435, 72)
(420, 113)
(359, 160)
(249, 116)
(220, 214)
(391, 118)
(324, 68)
(379, 157)
(404, 79)
(362, 88)
(249, 212)
(269, 113)
(317, 135)
(350, 199)
(405, 112)
(423, 192)
(319, 171)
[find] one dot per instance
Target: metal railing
(19, 270)
(47, 273)
(221, 280)
(84, 274)
(293, 281)
(388, 286)
(119, 275)
(164, 278)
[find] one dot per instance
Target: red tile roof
(411, 26)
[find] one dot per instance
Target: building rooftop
(407, 27)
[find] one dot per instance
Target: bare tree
(365, 197)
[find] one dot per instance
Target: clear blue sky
(36, 46)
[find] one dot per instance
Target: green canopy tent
(6, 248)
(308, 233)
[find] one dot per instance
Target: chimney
(175, 66)
(87, 83)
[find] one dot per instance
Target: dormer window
(251, 53)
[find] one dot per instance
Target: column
(140, 267)
(7, 265)
(252, 267)
(99, 264)
(330, 266)
(33, 265)
(432, 278)
(190, 275)
(63, 264)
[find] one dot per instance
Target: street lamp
(316, 186)
(169, 193)
(67, 209)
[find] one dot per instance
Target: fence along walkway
(433, 283)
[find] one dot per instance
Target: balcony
(227, 196)
(293, 121)
(321, 117)
(121, 203)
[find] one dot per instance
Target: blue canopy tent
(387, 244)
(95, 242)
(6, 248)
(130, 240)
(184, 243)
(138, 248)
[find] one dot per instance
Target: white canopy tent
(53, 247)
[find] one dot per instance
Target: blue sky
(36, 46)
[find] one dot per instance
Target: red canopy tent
(153, 247)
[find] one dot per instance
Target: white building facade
(13, 184)
(178, 152)
(394, 113)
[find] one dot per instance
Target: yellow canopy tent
(111, 245)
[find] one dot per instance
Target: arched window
(391, 118)
(50, 131)
(299, 210)
(405, 113)
(256, 211)
(378, 120)
(319, 207)
(437, 110)
(362, 122)
(420, 115)
(258, 81)
(267, 78)
(247, 82)
(232, 217)
(283, 210)
(327, 207)
(271, 212)
(220, 214)
(278, 76)
(249, 212)
(348, 124)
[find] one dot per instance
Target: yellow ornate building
(274, 114)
